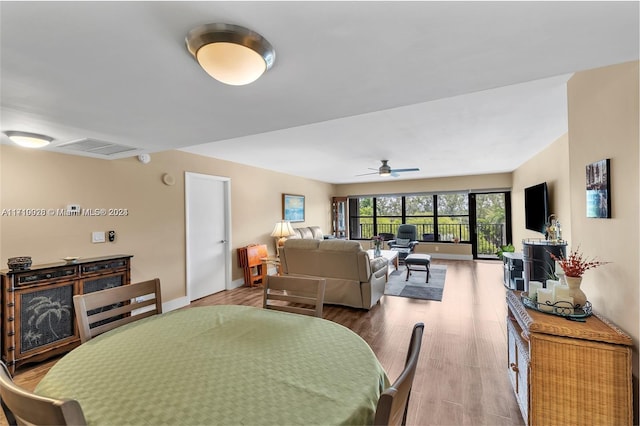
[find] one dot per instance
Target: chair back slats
(393, 404)
(300, 295)
(22, 407)
(105, 310)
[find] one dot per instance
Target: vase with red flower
(579, 298)
(574, 266)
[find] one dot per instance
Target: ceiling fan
(386, 170)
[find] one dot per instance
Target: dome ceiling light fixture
(230, 53)
(28, 140)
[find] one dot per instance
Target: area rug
(416, 288)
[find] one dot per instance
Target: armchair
(405, 241)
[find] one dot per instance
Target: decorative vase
(579, 298)
(376, 251)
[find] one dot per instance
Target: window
(419, 211)
(453, 217)
(481, 219)
(388, 214)
(371, 216)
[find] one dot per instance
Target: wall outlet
(437, 248)
(97, 237)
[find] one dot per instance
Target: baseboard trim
(174, 304)
(181, 302)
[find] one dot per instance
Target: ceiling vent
(96, 147)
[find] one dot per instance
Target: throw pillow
(404, 242)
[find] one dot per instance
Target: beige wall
(153, 231)
(603, 123)
(550, 166)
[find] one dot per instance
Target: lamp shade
(282, 229)
(28, 140)
(231, 54)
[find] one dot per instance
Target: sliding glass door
(491, 216)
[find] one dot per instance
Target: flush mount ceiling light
(230, 53)
(28, 140)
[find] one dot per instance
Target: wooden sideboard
(565, 372)
(38, 320)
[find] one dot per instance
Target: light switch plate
(97, 237)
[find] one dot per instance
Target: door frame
(226, 183)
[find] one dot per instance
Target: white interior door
(207, 201)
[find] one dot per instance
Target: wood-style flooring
(461, 376)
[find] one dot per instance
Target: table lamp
(282, 230)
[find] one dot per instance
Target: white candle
(551, 285)
(564, 305)
(534, 286)
(562, 291)
(545, 299)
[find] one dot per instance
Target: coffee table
(390, 255)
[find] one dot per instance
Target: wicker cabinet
(37, 305)
(566, 372)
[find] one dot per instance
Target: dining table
(222, 365)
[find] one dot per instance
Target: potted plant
(509, 248)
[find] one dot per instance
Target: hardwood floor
(461, 376)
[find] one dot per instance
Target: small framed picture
(293, 207)
(599, 189)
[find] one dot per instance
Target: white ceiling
(454, 88)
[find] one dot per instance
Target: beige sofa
(352, 278)
(308, 232)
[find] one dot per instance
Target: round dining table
(222, 365)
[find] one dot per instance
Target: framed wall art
(599, 189)
(293, 207)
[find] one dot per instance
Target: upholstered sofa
(308, 232)
(352, 278)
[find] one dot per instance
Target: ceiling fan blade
(405, 170)
(366, 174)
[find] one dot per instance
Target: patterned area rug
(416, 288)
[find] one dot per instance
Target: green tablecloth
(224, 365)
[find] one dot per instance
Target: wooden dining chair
(107, 309)
(394, 401)
(294, 294)
(22, 407)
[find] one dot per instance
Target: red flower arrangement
(576, 264)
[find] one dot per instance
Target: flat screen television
(536, 207)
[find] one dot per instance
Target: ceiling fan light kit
(229, 53)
